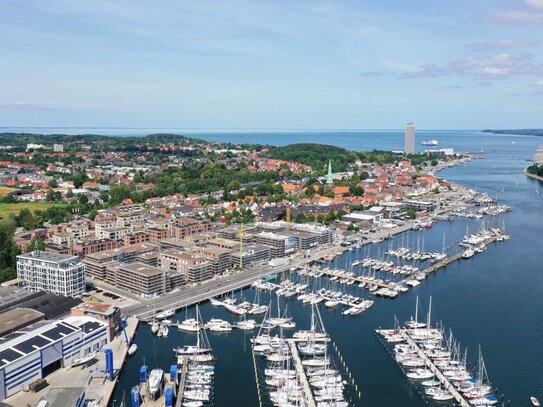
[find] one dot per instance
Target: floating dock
(179, 398)
(433, 368)
(300, 373)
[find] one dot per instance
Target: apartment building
(59, 274)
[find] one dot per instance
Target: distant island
(520, 132)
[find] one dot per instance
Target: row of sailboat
(299, 365)
(435, 362)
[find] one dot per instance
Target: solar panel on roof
(54, 333)
(30, 344)
(90, 326)
(9, 355)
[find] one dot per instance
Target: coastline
(536, 177)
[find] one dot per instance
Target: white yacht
(155, 382)
(189, 325)
(132, 349)
(165, 314)
(218, 325)
(468, 253)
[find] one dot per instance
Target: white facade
(58, 148)
(59, 274)
(44, 347)
(409, 142)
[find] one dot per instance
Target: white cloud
(539, 83)
(505, 43)
(494, 67)
(535, 3)
(516, 17)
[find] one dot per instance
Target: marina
(472, 277)
(431, 360)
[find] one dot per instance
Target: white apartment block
(59, 274)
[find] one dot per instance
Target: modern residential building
(141, 279)
(187, 226)
(409, 141)
(58, 148)
(96, 264)
(51, 272)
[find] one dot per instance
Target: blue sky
(367, 64)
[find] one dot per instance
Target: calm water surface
(492, 300)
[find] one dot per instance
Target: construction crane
(242, 230)
(287, 217)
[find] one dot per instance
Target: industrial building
(34, 351)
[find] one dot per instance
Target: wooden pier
(433, 368)
(300, 373)
(181, 388)
(357, 279)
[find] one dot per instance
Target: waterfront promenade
(218, 286)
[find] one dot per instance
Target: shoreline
(533, 176)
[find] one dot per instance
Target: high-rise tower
(409, 141)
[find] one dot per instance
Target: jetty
(181, 386)
(300, 373)
(433, 368)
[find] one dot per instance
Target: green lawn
(7, 209)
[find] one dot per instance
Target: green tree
(35, 244)
(53, 183)
(25, 219)
(8, 251)
(83, 200)
(411, 213)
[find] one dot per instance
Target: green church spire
(329, 177)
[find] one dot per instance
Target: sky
(366, 64)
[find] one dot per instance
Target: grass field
(5, 191)
(7, 209)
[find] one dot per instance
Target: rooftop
(17, 318)
(62, 397)
(48, 257)
(141, 269)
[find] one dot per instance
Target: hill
(315, 155)
(520, 132)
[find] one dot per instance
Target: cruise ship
(429, 143)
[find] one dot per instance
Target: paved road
(211, 288)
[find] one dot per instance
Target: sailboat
(202, 342)
(414, 324)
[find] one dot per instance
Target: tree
(8, 251)
(83, 200)
(356, 190)
(53, 183)
(104, 196)
(411, 213)
(35, 244)
(25, 219)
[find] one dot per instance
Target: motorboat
(245, 325)
(535, 402)
(218, 325)
(165, 314)
(468, 253)
(155, 326)
(164, 330)
(189, 325)
(132, 349)
(156, 379)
